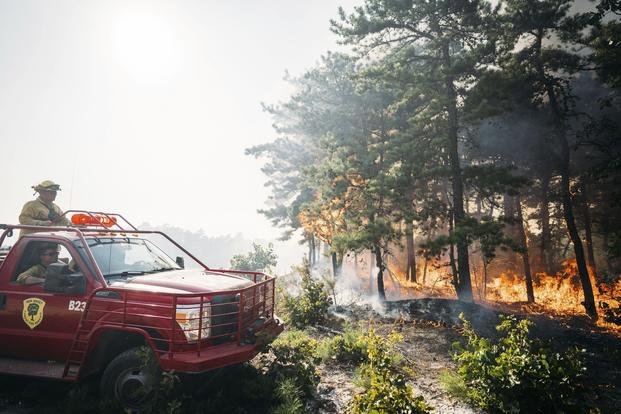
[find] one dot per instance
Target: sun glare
(145, 46)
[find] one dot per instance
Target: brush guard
(240, 322)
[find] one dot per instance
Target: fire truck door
(37, 324)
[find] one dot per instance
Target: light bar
(89, 220)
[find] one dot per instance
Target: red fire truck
(113, 292)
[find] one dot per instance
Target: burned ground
(431, 325)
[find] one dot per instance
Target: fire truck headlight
(189, 320)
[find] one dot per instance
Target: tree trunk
(588, 227)
(484, 278)
(426, 265)
(411, 261)
(371, 274)
(464, 285)
(452, 258)
(589, 299)
(334, 264)
(512, 229)
(317, 250)
(530, 295)
(568, 213)
(380, 272)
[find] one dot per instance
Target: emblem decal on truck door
(33, 312)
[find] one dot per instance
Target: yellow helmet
(46, 185)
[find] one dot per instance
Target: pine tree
(529, 25)
(449, 41)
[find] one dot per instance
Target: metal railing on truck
(223, 317)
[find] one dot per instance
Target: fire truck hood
(184, 281)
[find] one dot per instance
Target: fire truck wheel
(132, 379)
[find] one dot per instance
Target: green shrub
(454, 384)
(386, 389)
(310, 308)
(290, 396)
(169, 397)
(517, 374)
(261, 259)
(295, 358)
(349, 347)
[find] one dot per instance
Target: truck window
(33, 261)
(119, 257)
(63, 255)
(29, 258)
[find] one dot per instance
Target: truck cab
(110, 293)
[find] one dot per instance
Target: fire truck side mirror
(180, 262)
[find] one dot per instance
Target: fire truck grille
(224, 317)
(256, 304)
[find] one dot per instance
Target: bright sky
(145, 107)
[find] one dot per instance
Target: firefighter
(43, 211)
(48, 254)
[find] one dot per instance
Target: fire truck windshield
(124, 256)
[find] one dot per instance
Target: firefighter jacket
(37, 212)
(37, 270)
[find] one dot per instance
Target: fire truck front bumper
(217, 356)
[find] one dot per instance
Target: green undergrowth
(291, 398)
(295, 357)
(279, 382)
(310, 306)
(380, 371)
(385, 384)
(516, 373)
(350, 347)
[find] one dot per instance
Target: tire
(131, 380)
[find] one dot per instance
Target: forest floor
(429, 328)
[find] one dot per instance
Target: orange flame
(560, 294)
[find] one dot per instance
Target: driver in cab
(48, 254)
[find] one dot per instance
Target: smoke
(527, 138)
(520, 138)
(353, 290)
(217, 251)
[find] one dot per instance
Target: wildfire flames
(559, 294)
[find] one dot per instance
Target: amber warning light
(89, 220)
